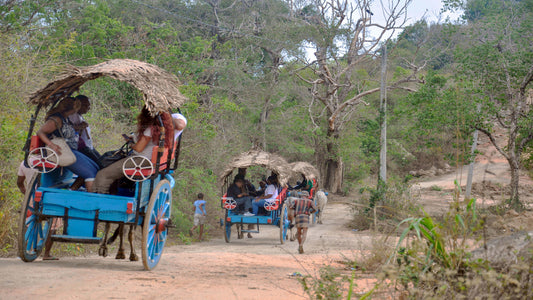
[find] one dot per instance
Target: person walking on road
(199, 215)
(302, 207)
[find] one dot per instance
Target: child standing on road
(199, 215)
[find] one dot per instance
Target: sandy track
(256, 268)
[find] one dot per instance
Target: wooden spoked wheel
(155, 224)
(34, 229)
(283, 223)
(43, 160)
(137, 168)
(227, 228)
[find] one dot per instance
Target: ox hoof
(134, 257)
(319, 222)
(102, 251)
(120, 255)
(292, 239)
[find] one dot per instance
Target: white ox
(321, 200)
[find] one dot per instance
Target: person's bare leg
(303, 236)
(201, 232)
(299, 236)
(191, 232)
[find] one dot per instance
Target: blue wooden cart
(145, 201)
(275, 213)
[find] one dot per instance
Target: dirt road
(257, 268)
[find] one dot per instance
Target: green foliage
(437, 263)
(328, 284)
(382, 207)
(189, 182)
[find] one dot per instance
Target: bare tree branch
(493, 141)
(526, 81)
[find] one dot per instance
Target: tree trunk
(263, 120)
(332, 170)
(514, 201)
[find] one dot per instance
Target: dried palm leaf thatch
(304, 168)
(159, 87)
(273, 162)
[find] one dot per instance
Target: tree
(499, 63)
(345, 37)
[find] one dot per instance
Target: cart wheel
(227, 228)
(42, 160)
(283, 223)
(34, 229)
(154, 225)
(230, 203)
(270, 205)
(137, 168)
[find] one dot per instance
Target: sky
(418, 9)
(431, 9)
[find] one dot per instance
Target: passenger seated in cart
(275, 182)
(147, 137)
(271, 192)
(262, 187)
(300, 185)
(248, 187)
(57, 124)
(85, 144)
(244, 201)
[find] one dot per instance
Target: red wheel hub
(162, 225)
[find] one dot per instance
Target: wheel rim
(283, 223)
(137, 168)
(34, 229)
(227, 228)
(154, 224)
(43, 160)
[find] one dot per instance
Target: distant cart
(146, 202)
(276, 211)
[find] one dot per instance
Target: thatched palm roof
(273, 162)
(304, 168)
(159, 87)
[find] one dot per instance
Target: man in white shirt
(271, 192)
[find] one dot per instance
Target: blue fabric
(84, 167)
(246, 202)
(256, 205)
(197, 204)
